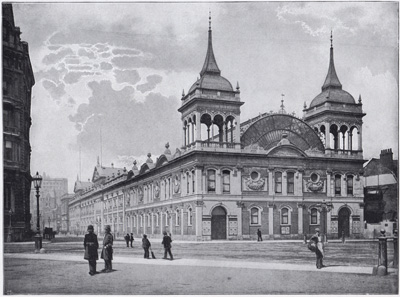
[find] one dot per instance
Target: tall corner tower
(335, 115)
(211, 108)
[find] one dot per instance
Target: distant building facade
(381, 194)
(277, 173)
(49, 202)
(65, 199)
(18, 81)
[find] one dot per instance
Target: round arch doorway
(218, 223)
(344, 222)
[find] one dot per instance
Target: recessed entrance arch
(344, 222)
(218, 223)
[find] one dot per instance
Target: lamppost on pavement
(37, 183)
(9, 237)
(323, 208)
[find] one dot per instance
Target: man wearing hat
(167, 245)
(91, 245)
(319, 251)
(107, 251)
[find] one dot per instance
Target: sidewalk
(205, 263)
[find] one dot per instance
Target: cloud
(73, 61)
(56, 90)
(74, 76)
(127, 62)
(125, 51)
(54, 73)
(85, 53)
(105, 66)
(52, 58)
(152, 81)
(127, 76)
(71, 102)
(128, 127)
(80, 67)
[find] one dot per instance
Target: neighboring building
(65, 199)
(49, 202)
(381, 194)
(277, 173)
(18, 81)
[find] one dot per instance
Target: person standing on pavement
(127, 238)
(146, 246)
(107, 252)
(167, 245)
(91, 244)
(259, 235)
(319, 251)
(131, 240)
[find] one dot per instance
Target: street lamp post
(9, 237)
(37, 183)
(324, 208)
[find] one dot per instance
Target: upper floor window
(338, 184)
(226, 181)
(290, 182)
(211, 181)
(278, 182)
(193, 181)
(284, 216)
(187, 182)
(349, 185)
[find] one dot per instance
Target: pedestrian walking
(131, 239)
(127, 239)
(167, 245)
(259, 235)
(146, 246)
(107, 252)
(319, 251)
(91, 244)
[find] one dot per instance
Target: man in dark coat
(167, 245)
(146, 246)
(127, 238)
(91, 245)
(131, 240)
(107, 251)
(259, 235)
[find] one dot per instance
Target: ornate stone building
(277, 173)
(18, 81)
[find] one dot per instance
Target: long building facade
(18, 81)
(283, 175)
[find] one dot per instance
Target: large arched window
(211, 181)
(226, 181)
(290, 182)
(255, 216)
(285, 216)
(338, 184)
(350, 185)
(314, 216)
(278, 182)
(187, 182)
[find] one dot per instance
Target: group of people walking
(91, 246)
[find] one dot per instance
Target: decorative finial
(149, 155)
(209, 20)
(183, 93)
(282, 106)
(331, 40)
(305, 105)
(359, 99)
(167, 145)
(237, 86)
(134, 162)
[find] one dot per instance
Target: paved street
(237, 267)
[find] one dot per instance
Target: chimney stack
(386, 158)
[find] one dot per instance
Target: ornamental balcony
(211, 146)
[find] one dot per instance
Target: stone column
(327, 136)
(270, 219)
(184, 136)
(359, 132)
(137, 224)
(182, 217)
(237, 131)
(284, 183)
(300, 217)
(270, 182)
(218, 183)
(199, 220)
(198, 127)
(161, 222)
(152, 223)
(328, 184)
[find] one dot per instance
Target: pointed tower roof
(210, 64)
(332, 80)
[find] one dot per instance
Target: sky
(109, 76)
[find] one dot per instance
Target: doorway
(218, 223)
(344, 222)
